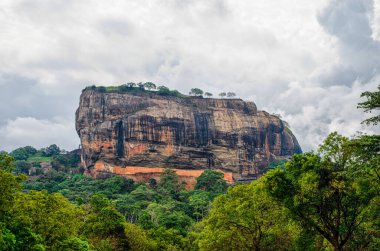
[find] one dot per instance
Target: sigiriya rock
(137, 134)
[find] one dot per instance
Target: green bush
(147, 87)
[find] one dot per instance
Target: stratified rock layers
(153, 131)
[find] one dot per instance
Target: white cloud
(376, 20)
(314, 112)
(38, 133)
(309, 60)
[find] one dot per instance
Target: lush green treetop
(196, 92)
(23, 153)
(149, 85)
(52, 150)
(231, 94)
(320, 191)
(169, 184)
(208, 94)
(247, 218)
(6, 162)
(211, 181)
(372, 104)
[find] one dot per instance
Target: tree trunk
(336, 243)
(337, 247)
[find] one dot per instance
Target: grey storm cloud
(350, 22)
(306, 60)
(23, 97)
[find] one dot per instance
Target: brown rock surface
(149, 130)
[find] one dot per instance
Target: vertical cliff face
(152, 131)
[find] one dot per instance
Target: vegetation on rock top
(149, 87)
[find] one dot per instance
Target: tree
(22, 167)
(166, 214)
(222, 94)
(101, 89)
(141, 86)
(208, 94)
(211, 181)
(124, 88)
(6, 162)
(128, 206)
(163, 90)
(153, 183)
(247, 218)
(196, 92)
(367, 147)
(14, 235)
(42, 221)
(199, 201)
(23, 153)
(167, 239)
(231, 94)
(142, 192)
(9, 184)
(131, 85)
(149, 86)
(371, 104)
(104, 223)
(52, 150)
(322, 192)
(30, 150)
(366, 150)
(51, 216)
(19, 154)
(114, 185)
(169, 184)
(106, 228)
(75, 243)
(35, 220)
(137, 238)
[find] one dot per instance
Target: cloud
(25, 97)
(375, 22)
(314, 112)
(326, 101)
(308, 60)
(38, 133)
(350, 22)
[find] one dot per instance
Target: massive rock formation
(146, 130)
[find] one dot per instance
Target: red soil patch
(139, 173)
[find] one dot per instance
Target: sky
(308, 61)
